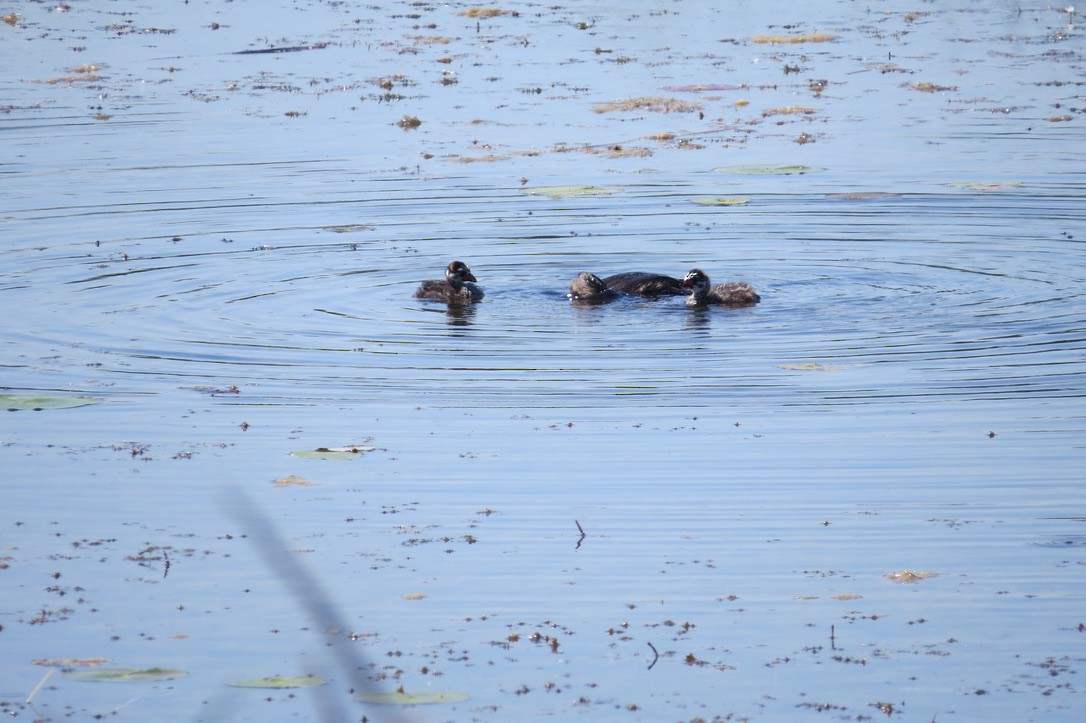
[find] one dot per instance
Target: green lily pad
(299, 681)
(721, 201)
(767, 170)
(564, 191)
(18, 402)
(399, 697)
(334, 454)
(124, 675)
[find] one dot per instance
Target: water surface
(630, 511)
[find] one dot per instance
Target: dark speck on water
(861, 497)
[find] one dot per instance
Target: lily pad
(334, 454)
(399, 697)
(17, 402)
(124, 675)
(563, 191)
(721, 201)
(299, 681)
(767, 170)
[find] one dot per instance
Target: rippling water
(223, 246)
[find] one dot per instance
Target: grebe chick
(589, 287)
(456, 288)
(644, 284)
(735, 293)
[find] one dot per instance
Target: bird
(589, 287)
(735, 293)
(644, 284)
(456, 288)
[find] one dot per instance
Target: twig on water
(583, 535)
(655, 658)
(38, 687)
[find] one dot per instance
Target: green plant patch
(298, 681)
(124, 675)
(18, 402)
(566, 191)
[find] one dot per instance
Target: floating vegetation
(430, 39)
(792, 39)
(721, 201)
(399, 697)
(294, 481)
(349, 228)
(409, 122)
(124, 675)
(650, 103)
(491, 158)
(11, 19)
(564, 191)
(18, 403)
(72, 662)
(789, 110)
(413, 596)
(767, 170)
(334, 454)
(700, 88)
(909, 576)
(930, 87)
(979, 186)
(299, 681)
(482, 12)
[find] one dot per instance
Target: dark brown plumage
(644, 284)
(702, 293)
(456, 288)
(589, 287)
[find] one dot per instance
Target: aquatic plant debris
(980, 186)
(767, 170)
(299, 681)
(482, 12)
(400, 697)
(793, 39)
(124, 675)
(811, 366)
(655, 104)
(563, 191)
(907, 576)
(700, 88)
(294, 481)
(17, 402)
(335, 454)
(72, 662)
(721, 201)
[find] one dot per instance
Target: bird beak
(468, 276)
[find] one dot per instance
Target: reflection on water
(573, 487)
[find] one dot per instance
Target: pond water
(632, 511)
